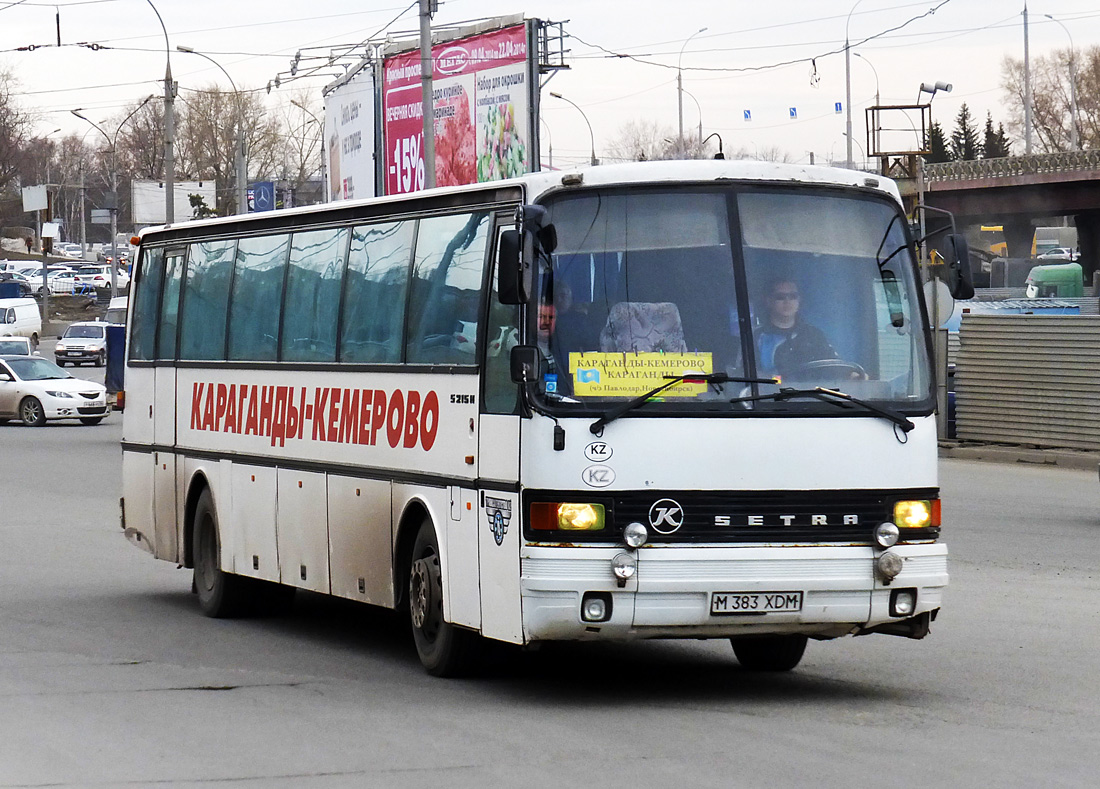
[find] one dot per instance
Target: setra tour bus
(649, 400)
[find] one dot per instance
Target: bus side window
(170, 306)
(375, 292)
(313, 286)
(205, 299)
(256, 303)
(501, 334)
(446, 295)
(146, 289)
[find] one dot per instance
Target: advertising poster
(480, 100)
(349, 137)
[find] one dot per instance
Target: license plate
(72, 353)
(91, 404)
(754, 602)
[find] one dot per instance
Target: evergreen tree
(937, 145)
(964, 140)
(994, 143)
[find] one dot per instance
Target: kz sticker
(499, 513)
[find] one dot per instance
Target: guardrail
(1013, 166)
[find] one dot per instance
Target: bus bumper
(670, 594)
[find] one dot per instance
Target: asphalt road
(109, 676)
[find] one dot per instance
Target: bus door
(499, 532)
(164, 412)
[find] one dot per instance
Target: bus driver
(784, 342)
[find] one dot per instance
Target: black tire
(445, 650)
(60, 363)
(90, 420)
(31, 412)
(221, 595)
(101, 359)
(769, 653)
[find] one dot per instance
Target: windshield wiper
(840, 399)
(670, 380)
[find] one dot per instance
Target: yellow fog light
(913, 514)
(567, 516)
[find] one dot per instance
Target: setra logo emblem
(666, 516)
(499, 513)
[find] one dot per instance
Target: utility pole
(427, 147)
(83, 216)
(1027, 90)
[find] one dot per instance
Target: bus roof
(535, 184)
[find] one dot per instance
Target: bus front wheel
(220, 594)
(769, 653)
(445, 650)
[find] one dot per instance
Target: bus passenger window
(374, 292)
(170, 306)
(257, 299)
(446, 282)
(205, 298)
(313, 287)
(146, 290)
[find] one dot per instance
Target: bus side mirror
(525, 364)
(956, 256)
(509, 267)
(519, 250)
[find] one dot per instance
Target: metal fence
(1029, 379)
(1010, 166)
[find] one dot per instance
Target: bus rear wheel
(445, 650)
(769, 653)
(221, 594)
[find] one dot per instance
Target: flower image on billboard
(480, 100)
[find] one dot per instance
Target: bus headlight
(635, 535)
(918, 514)
(886, 534)
(567, 516)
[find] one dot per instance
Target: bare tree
(301, 139)
(15, 129)
(1051, 98)
(646, 140)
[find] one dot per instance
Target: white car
(35, 390)
(17, 346)
(85, 341)
(100, 276)
(1058, 253)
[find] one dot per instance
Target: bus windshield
(808, 287)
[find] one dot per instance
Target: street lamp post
(320, 125)
(113, 143)
(241, 150)
(169, 127)
(1074, 141)
(878, 101)
(591, 136)
(848, 82)
(698, 107)
(680, 87)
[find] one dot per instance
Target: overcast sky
(724, 68)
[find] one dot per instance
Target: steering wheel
(831, 369)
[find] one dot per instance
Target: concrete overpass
(1015, 191)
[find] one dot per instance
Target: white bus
(447, 403)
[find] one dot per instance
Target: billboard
(349, 135)
(147, 200)
(261, 196)
(482, 100)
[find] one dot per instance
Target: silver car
(85, 341)
(36, 390)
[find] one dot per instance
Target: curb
(1059, 458)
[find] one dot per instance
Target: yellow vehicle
(993, 238)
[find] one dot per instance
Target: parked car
(100, 276)
(17, 346)
(116, 311)
(20, 318)
(1058, 253)
(85, 341)
(25, 288)
(35, 390)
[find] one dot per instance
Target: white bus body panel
(501, 599)
(253, 545)
(810, 453)
(360, 539)
(301, 529)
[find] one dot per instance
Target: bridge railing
(1010, 166)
